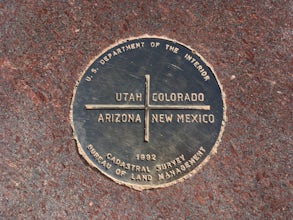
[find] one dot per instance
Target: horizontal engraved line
(93, 107)
(179, 107)
(142, 107)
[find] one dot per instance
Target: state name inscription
(147, 112)
(158, 118)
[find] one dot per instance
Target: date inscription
(147, 157)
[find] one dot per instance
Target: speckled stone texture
(44, 47)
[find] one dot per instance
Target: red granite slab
(45, 45)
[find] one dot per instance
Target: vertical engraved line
(147, 110)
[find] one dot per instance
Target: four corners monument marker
(152, 134)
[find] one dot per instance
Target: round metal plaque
(148, 112)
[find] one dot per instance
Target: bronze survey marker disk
(148, 112)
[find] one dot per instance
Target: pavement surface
(46, 45)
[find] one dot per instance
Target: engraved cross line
(146, 107)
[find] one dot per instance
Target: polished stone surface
(44, 47)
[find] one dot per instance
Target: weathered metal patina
(148, 112)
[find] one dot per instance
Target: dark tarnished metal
(148, 112)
